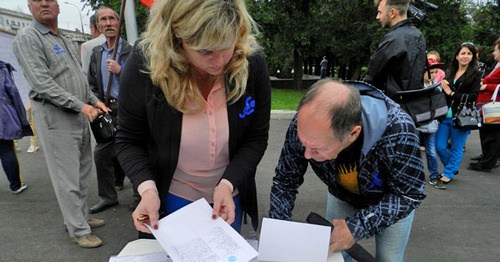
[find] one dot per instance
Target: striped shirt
(51, 65)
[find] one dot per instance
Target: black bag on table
(423, 105)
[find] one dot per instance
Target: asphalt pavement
(456, 224)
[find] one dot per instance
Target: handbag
(491, 110)
(467, 116)
(423, 105)
(103, 128)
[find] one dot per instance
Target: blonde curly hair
(201, 24)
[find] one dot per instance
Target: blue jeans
(10, 164)
(428, 140)
(450, 157)
(172, 203)
(390, 243)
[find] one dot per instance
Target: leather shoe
(476, 158)
(101, 206)
(88, 241)
(93, 222)
(478, 167)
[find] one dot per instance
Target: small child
(427, 132)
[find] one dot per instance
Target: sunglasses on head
(467, 43)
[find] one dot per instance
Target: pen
(142, 218)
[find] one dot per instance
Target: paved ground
(457, 224)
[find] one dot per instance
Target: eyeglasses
(467, 43)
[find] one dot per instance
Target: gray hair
(103, 8)
(343, 115)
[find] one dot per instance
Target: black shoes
(478, 167)
(476, 158)
(101, 206)
(438, 183)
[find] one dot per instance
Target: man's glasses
(467, 43)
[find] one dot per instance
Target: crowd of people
(191, 103)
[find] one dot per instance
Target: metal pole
(131, 22)
(79, 12)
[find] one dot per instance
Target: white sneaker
(32, 149)
(21, 189)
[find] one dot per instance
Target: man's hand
(341, 237)
(149, 206)
(223, 203)
(101, 106)
(90, 111)
(113, 66)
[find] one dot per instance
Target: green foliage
(444, 32)
(296, 31)
(141, 11)
(284, 99)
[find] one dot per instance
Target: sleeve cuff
(225, 181)
(148, 184)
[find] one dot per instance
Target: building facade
(13, 21)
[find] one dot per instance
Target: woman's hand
(483, 87)
(446, 86)
(149, 206)
(223, 203)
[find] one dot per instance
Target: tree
(141, 11)
(293, 31)
(355, 36)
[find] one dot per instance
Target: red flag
(147, 3)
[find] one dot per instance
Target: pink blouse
(204, 148)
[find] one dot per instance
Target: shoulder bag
(491, 110)
(423, 105)
(467, 115)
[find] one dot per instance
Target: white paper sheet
(293, 241)
(190, 234)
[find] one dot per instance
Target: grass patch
(285, 99)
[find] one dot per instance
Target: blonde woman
(194, 111)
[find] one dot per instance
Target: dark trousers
(490, 144)
(10, 163)
(107, 166)
(108, 170)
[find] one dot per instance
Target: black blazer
(149, 130)
(463, 88)
(94, 74)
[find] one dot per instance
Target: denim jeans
(428, 140)
(450, 157)
(390, 243)
(10, 164)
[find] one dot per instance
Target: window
(6, 21)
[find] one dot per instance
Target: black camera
(417, 15)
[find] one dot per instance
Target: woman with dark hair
(489, 133)
(462, 83)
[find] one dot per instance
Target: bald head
(332, 103)
(329, 119)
